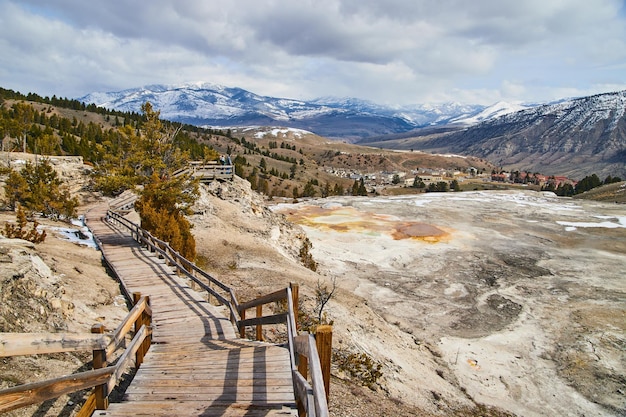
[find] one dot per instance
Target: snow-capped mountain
(205, 104)
(494, 111)
(575, 137)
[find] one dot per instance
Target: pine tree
(39, 189)
(362, 190)
(309, 190)
(162, 207)
(18, 230)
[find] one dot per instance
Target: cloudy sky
(387, 51)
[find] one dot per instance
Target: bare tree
(322, 296)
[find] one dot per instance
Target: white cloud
(393, 51)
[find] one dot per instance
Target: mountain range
(573, 137)
(350, 119)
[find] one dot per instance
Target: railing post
(324, 342)
(100, 361)
(242, 330)
(295, 290)
(303, 368)
(140, 320)
(259, 327)
(147, 321)
(209, 298)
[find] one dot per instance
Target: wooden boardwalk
(196, 365)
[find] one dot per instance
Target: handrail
(312, 396)
(206, 171)
(305, 345)
(265, 299)
(16, 344)
(124, 327)
(13, 344)
(36, 392)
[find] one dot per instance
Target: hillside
(487, 293)
(277, 161)
(611, 193)
(573, 138)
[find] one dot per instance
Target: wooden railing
(307, 353)
(221, 292)
(207, 171)
(103, 378)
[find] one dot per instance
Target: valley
(443, 183)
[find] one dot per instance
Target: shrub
(39, 189)
(18, 230)
(360, 366)
(305, 255)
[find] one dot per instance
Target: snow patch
(79, 235)
(284, 132)
(621, 224)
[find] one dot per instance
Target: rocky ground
(514, 299)
(56, 286)
(470, 311)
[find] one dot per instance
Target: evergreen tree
(355, 188)
(252, 179)
(39, 189)
(309, 190)
(263, 186)
(18, 230)
(292, 171)
(162, 208)
(326, 190)
(418, 183)
(362, 190)
(565, 190)
(587, 183)
(147, 156)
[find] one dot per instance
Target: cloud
(396, 50)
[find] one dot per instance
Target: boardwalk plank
(200, 408)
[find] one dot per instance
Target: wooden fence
(103, 377)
